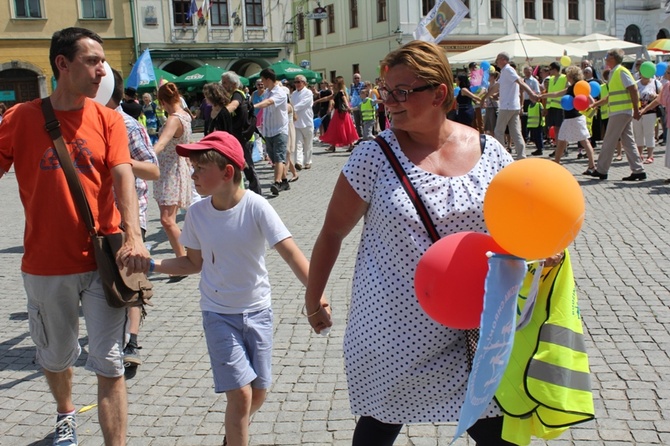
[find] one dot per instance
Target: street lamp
(398, 35)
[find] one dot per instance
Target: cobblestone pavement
(621, 269)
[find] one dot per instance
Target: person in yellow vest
(554, 111)
(624, 106)
(534, 124)
(574, 126)
(368, 115)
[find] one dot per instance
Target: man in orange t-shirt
(58, 265)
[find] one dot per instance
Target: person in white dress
(401, 366)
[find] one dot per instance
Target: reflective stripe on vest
(605, 108)
(619, 97)
(556, 84)
(547, 384)
(367, 110)
(534, 116)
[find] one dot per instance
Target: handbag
(121, 289)
(471, 335)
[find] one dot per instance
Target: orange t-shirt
(56, 241)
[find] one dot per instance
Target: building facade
(354, 35)
(239, 35)
(27, 27)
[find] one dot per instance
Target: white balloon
(106, 86)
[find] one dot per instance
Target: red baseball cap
(223, 142)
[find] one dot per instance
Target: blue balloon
(317, 123)
(567, 102)
(595, 89)
(474, 88)
(660, 69)
(457, 90)
(485, 66)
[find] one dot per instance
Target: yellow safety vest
(534, 116)
(546, 387)
(605, 108)
(556, 84)
(367, 110)
(619, 98)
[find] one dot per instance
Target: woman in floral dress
(173, 190)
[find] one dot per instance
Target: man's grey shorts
(53, 319)
(240, 349)
(276, 147)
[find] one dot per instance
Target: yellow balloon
(492, 69)
(565, 61)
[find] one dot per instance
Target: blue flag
(142, 72)
(496, 336)
(191, 10)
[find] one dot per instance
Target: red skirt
(341, 130)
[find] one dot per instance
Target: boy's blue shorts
(240, 349)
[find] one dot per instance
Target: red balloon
(450, 276)
(581, 102)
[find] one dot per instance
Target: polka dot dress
(401, 366)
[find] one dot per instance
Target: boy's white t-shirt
(234, 278)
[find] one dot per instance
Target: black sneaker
(131, 355)
(275, 188)
(538, 152)
(284, 185)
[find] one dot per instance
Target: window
(496, 9)
(548, 9)
(180, 9)
(218, 12)
(353, 13)
(300, 26)
(355, 69)
(573, 9)
(600, 9)
(467, 5)
(93, 9)
(317, 27)
(426, 6)
(381, 11)
(331, 18)
(28, 9)
(633, 34)
(529, 9)
(254, 12)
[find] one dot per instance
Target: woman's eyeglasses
(401, 94)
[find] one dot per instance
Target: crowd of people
(527, 107)
(426, 135)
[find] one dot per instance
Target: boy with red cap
(225, 235)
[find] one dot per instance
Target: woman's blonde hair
(574, 72)
(169, 93)
(428, 61)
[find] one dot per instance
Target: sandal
(648, 160)
(330, 149)
(618, 158)
(294, 179)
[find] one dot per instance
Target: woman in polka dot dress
(402, 367)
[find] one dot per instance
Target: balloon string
(517, 31)
(490, 254)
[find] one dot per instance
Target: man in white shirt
(509, 110)
(303, 100)
(275, 127)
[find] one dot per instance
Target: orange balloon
(582, 87)
(534, 208)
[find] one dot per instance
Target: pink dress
(341, 129)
